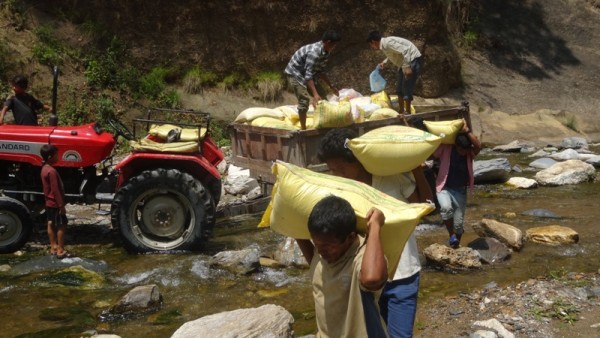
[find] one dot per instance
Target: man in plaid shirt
(306, 72)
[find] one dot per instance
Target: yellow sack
(393, 149)
(290, 112)
(381, 99)
(449, 129)
(186, 134)
(383, 113)
(269, 122)
(309, 122)
(173, 147)
(250, 114)
(298, 190)
(332, 114)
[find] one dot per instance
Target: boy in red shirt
(54, 193)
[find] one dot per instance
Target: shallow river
(33, 305)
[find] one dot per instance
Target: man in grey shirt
(406, 56)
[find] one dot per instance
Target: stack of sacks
(447, 130)
(265, 117)
(297, 190)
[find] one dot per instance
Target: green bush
(73, 113)
(108, 69)
(218, 133)
(47, 50)
(153, 83)
(169, 99)
(470, 38)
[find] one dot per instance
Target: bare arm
(373, 271)
(2, 113)
(307, 248)
(474, 140)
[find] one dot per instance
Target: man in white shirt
(404, 55)
(398, 300)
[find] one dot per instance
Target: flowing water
(35, 303)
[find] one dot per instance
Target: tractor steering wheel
(120, 128)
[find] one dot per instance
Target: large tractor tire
(163, 210)
(16, 225)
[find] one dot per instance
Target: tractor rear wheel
(16, 225)
(163, 210)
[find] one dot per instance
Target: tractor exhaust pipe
(53, 121)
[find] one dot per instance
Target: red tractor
(162, 198)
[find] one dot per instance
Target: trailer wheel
(162, 210)
(16, 225)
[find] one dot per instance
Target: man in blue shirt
(306, 72)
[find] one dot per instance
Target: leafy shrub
(47, 50)
(153, 83)
(469, 39)
(73, 112)
(218, 133)
(108, 68)
(169, 99)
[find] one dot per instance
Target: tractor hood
(80, 146)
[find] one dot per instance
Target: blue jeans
(398, 305)
(405, 88)
(453, 203)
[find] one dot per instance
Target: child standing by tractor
(54, 194)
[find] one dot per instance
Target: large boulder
(265, 321)
(552, 235)
(491, 171)
(567, 172)
(461, 258)
(505, 233)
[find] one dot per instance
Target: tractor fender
(197, 166)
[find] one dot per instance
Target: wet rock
(512, 147)
(568, 172)
(522, 183)
(265, 321)
(494, 326)
(73, 276)
(138, 301)
(542, 163)
(552, 235)
(594, 160)
(491, 171)
(4, 267)
(505, 233)
(444, 256)
(567, 154)
(490, 249)
(241, 262)
(574, 143)
(540, 153)
(543, 213)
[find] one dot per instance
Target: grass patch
(196, 79)
(269, 85)
(230, 82)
